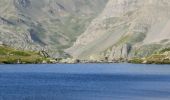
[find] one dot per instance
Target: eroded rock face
(119, 52)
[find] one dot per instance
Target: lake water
(85, 82)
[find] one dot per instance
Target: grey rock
(25, 3)
(120, 52)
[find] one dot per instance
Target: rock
(44, 54)
(120, 52)
(1, 43)
(53, 61)
(44, 62)
(2, 21)
(24, 3)
(68, 60)
(125, 50)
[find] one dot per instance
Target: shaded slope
(45, 24)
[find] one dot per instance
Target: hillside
(125, 29)
(87, 29)
(51, 25)
(11, 56)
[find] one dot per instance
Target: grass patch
(136, 60)
(20, 53)
(11, 56)
(153, 59)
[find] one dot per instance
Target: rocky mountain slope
(52, 25)
(126, 29)
(87, 29)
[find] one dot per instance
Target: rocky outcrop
(119, 52)
(5, 21)
(2, 21)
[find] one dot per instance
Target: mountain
(87, 29)
(125, 29)
(51, 25)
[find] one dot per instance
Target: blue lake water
(85, 82)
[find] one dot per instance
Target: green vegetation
(11, 56)
(131, 39)
(136, 61)
(161, 57)
(123, 40)
(20, 53)
(164, 50)
(158, 59)
(146, 50)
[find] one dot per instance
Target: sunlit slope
(125, 29)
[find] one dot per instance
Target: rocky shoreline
(13, 56)
(133, 61)
(73, 61)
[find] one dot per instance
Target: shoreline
(156, 63)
